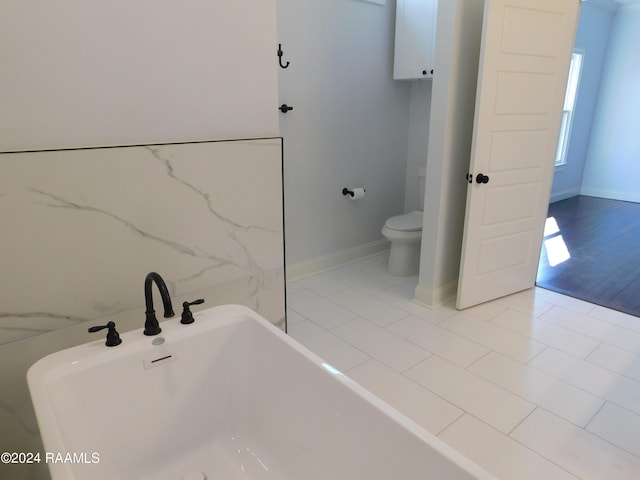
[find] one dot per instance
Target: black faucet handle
(113, 337)
(187, 316)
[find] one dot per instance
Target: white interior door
(524, 62)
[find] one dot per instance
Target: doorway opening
(591, 251)
(591, 247)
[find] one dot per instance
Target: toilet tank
(422, 174)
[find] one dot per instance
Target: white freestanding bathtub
(227, 397)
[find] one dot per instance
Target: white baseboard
(433, 298)
(307, 268)
(611, 194)
(556, 197)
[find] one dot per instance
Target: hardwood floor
(602, 237)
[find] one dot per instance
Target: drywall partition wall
(348, 126)
(87, 225)
(592, 38)
(451, 126)
(612, 166)
(78, 73)
(418, 140)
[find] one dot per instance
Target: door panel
(524, 63)
(528, 31)
(515, 149)
(510, 99)
(503, 253)
(510, 203)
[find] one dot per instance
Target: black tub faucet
(151, 325)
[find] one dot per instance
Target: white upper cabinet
(415, 39)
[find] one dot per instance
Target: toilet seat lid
(409, 222)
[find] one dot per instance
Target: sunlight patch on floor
(556, 248)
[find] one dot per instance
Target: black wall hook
(280, 53)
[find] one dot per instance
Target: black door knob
(480, 178)
(284, 108)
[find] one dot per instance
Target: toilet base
(404, 259)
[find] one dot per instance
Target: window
(569, 104)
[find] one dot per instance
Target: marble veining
(82, 228)
(27, 425)
(157, 153)
(87, 225)
(179, 248)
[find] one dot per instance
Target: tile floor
(536, 385)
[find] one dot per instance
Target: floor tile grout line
(591, 336)
(480, 358)
(346, 372)
(583, 389)
(614, 323)
(431, 391)
(499, 327)
(470, 373)
(528, 363)
(634, 379)
(424, 387)
(537, 405)
(546, 348)
(595, 415)
(466, 368)
(535, 451)
(516, 441)
(589, 432)
(449, 332)
(401, 339)
(586, 362)
(415, 364)
(328, 331)
(358, 314)
(464, 412)
(606, 439)
(565, 301)
(417, 384)
(545, 322)
(586, 359)
(598, 339)
(397, 321)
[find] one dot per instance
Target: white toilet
(405, 234)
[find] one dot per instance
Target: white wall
(349, 125)
(418, 142)
(85, 73)
(451, 127)
(592, 37)
(612, 166)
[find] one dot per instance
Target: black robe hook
(280, 53)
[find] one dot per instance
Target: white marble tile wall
(82, 228)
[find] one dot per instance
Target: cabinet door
(415, 38)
